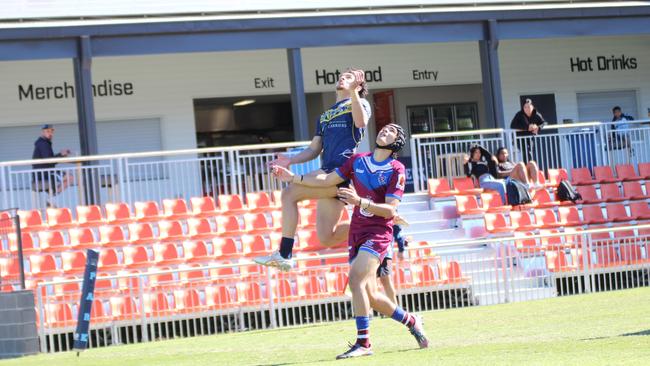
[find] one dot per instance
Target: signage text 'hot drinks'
(603, 63)
(332, 77)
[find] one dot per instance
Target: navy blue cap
(47, 126)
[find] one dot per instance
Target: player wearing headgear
(379, 181)
(338, 133)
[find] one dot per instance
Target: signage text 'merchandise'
(65, 90)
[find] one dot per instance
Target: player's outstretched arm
(310, 153)
(320, 180)
(386, 210)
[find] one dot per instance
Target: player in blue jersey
(338, 133)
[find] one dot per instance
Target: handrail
(76, 159)
(437, 245)
(457, 133)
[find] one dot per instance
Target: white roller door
(598, 106)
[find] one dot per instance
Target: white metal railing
(574, 145)
(143, 176)
(236, 294)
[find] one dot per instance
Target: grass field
(599, 329)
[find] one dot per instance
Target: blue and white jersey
(340, 136)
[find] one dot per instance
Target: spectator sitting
(483, 166)
(525, 173)
(49, 180)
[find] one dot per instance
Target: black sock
(286, 247)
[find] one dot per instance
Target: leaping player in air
(338, 133)
(378, 181)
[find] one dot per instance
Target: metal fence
(12, 272)
(237, 295)
(565, 146)
(135, 177)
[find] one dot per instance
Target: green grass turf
(598, 329)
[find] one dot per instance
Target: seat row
(440, 188)
(603, 257)
(604, 174)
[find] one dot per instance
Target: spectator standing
(618, 139)
(528, 122)
(49, 180)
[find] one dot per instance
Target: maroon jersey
(376, 181)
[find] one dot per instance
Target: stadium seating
(640, 210)
(491, 202)
(82, 238)
(231, 204)
(542, 199)
(197, 229)
(569, 216)
(522, 221)
(204, 207)
(465, 186)
(496, 223)
(556, 261)
(634, 191)
(593, 215)
(626, 172)
(89, 216)
(141, 233)
(256, 223)
(581, 176)
(604, 174)
(468, 205)
(253, 245)
(170, 231)
(51, 241)
(228, 225)
(31, 220)
(118, 213)
(59, 218)
(546, 219)
(644, 170)
(195, 251)
(589, 194)
(555, 176)
(259, 202)
(147, 211)
(111, 236)
(610, 193)
(439, 187)
(27, 242)
(175, 209)
(73, 263)
(617, 213)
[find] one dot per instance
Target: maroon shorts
(378, 248)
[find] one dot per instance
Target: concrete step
(427, 225)
(440, 235)
(415, 206)
(415, 197)
(421, 215)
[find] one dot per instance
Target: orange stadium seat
(135, 256)
(555, 176)
(616, 212)
(427, 275)
(156, 304)
(634, 191)
(525, 243)
(192, 274)
(308, 240)
(228, 225)
(468, 205)
(284, 291)
(161, 281)
(59, 315)
(336, 282)
(543, 199)
(59, 218)
(626, 172)
(404, 278)
(465, 186)
(204, 207)
(310, 287)
(569, 216)
(606, 256)
(308, 217)
(250, 294)
(220, 297)
(43, 265)
(604, 174)
(556, 261)
(73, 263)
(439, 187)
(170, 231)
(51, 241)
(640, 210)
(496, 223)
(82, 238)
(632, 254)
(31, 220)
(89, 216)
(253, 245)
(581, 176)
(276, 220)
(551, 242)
(451, 273)
(124, 308)
(491, 202)
(231, 204)
(196, 251)
(589, 195)
(27, 242)
(118, 213)
(109, 260)
(147, 211)
(644, 170)
(175, 209)
(256, 223)
(9, 268)
(522, 221)
(259, 202)
(200, 228)
(141, 233)
(546, 218)
(225, 248)
(610, 192)
(593, 215)
(166, 254)
(111, 236)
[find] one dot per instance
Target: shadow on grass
(329, 359)
(635, 334)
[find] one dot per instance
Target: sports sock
(286, 247)
(363, 331)
(403, 317)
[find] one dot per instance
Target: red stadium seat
(204, 207)
(82, 238)
(31, 220)
(556, 261)
(162, 281)
(606, 256)
(118, 213)
(404, 278)
(225, 248)
(308, 240)
(250, 294)
(147, 211)
(43, 265)
(465, 186)
(231, 204)
(284, 291)
(555, 176)
(136, 256)
(604, 174)
(427, 275)
(166, 254)
(644, 170)
(496, 223)
(593, 215)
(582, 176)
(73, 263)
(589, 195)
(256, 223)
(141, 233)
(124, 308)
(170, 231)
(59, 218)
(632, 254)
(551, 242)
(111, 236)
(310, 287)
(175, 209)
(640, 210)
(220, 297)
(634, 191)
(543, 199)
(451, 273)
(228, 225)
(626, 172)
(109, 260)
(569, 216)
(156, 304)
(200, 228)
(546, 218)
(192, 275)
(616, 213)
(59, 315)
(601, 238)
(51, 241)
(522, 221)
(336, 282)
(526, 244)
(308, 218)
(439, 187)
(90, 216)
(276, 217)
(196, 251)
(610, 193)
(259, 202)
(491, 202)
(253, 245)
(27, 242)
(468, 205)
(9, 268)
